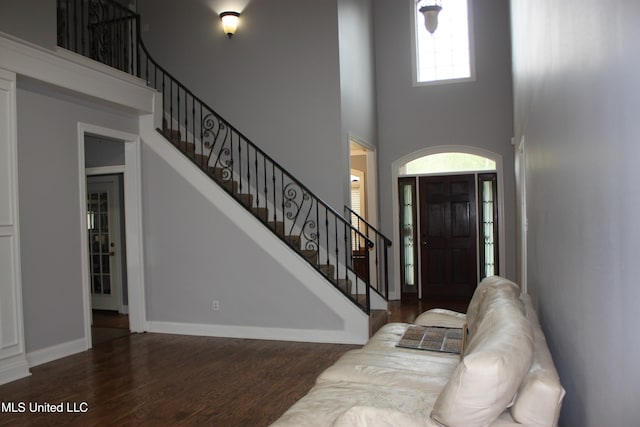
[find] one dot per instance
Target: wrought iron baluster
(319, 232)
(171, 107)
(185, 119)
(240, 168)
(326, 226)
(75, 26)
(273, 178)
(68, 39)
(178, 123)
(193, 123)
(257, 185)
(201, 122)
(282, 196)
(337, 252)
(110, 30)
(82, 27)
(266, 189)
(165, 99)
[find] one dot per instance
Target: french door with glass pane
(103, 225)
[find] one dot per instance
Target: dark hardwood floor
(158, 379)
(108, 325)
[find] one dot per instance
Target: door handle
(112, 253)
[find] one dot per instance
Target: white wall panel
(5, 159)
(9, 343)
(13, 363)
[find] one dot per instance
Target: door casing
(395, 291)
(133, 224)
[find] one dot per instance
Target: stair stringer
(355, 323)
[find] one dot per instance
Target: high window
(446, 56)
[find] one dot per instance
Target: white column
(13, 362)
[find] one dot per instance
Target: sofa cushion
(488, 286)
(326, 402)
(497, 358)
(441, 317)
(540, 395)
(415, 369)
(367, 416)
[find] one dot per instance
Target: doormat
(434, 338)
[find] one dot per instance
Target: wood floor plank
(159, 379)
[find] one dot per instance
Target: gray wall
(31, 20)
(477, 114)
(195, 254)
(49, 210)
(357, 77)
(277, 80)
(103, 152)
(577, 98)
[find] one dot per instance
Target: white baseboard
(55, 352)
(13, 369)
(258, 333)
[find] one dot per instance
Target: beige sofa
(506, 376)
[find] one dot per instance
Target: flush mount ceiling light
(430, 13)
(230, 22)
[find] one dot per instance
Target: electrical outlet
(215, 305)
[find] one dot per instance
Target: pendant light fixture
(430, 12)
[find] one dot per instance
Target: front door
(448, 236)
(103, 221)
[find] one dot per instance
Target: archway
(443, 161)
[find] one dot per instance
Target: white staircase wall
(202, 246)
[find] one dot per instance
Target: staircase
(274, 222)
(319, 234)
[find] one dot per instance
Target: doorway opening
(111, 223)
(447, 222)
(364, 199)
(363, 208)
(107, 257)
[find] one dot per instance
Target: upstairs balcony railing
(110, 33)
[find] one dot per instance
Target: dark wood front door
(448, 236)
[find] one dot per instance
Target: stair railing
(109, 33)
(379, 271)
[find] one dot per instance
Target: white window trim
(414, 50)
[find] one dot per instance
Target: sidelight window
(488, 224)
(408, 236)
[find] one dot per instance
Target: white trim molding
(55, 352)
(75, 73)
(256, 332)
(13, 362)
(133, 224)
